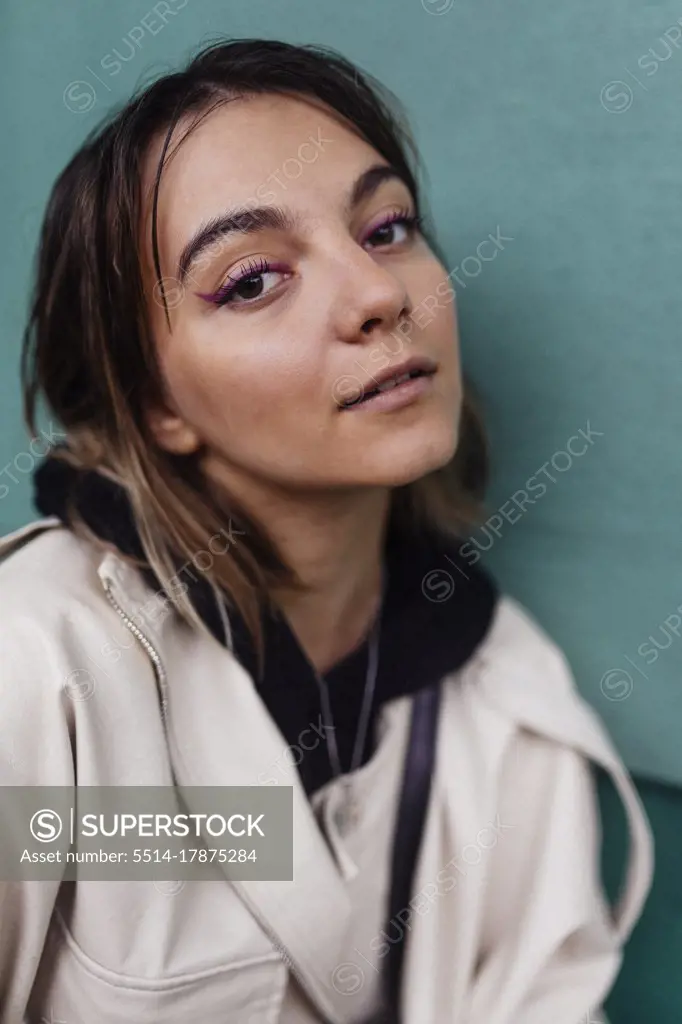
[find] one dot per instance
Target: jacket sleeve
(552, 945)
(35, 750)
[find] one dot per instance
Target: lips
(417, 366)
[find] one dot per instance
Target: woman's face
(332, 298)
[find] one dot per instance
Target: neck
(334, 541)
(338, 553)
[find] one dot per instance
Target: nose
(372, 299)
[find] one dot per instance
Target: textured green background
(523, 130)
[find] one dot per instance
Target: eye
(403, 224)
(247, 286)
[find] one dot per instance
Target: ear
(172, 432)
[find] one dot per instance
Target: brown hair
(88, 346)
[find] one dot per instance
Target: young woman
(249, 570)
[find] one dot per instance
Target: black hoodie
(437, 610)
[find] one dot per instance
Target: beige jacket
(507, 924)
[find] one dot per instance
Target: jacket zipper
(159, 670)
(162, 683)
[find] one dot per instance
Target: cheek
(449, 337)
(441, 334)
(441, 338)
(435, 311)
(227, 386)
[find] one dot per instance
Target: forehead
(243, 152)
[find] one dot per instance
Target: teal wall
(575, 322)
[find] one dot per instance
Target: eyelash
(413, 223)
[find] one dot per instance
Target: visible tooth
(387, 385)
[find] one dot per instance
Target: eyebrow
(248, 220)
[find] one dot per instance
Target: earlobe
(172, 433)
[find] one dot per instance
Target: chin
(406, 459)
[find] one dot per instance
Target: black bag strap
(414, 798)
